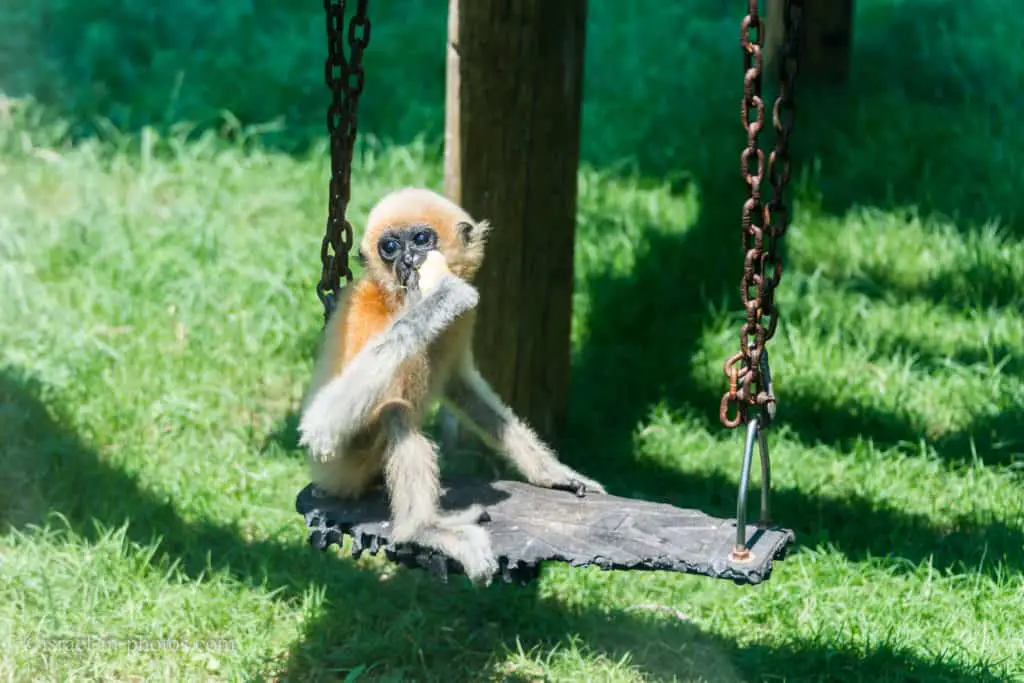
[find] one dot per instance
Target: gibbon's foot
(569, 480)
(471, 515)
(573, 486)
(467, 544)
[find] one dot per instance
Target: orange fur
(365, 313)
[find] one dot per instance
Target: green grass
(158, 318)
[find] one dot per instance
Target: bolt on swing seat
(529, 525)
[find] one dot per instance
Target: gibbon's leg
(354, 469)
(344, 405)
(411, 474)
(471, 398)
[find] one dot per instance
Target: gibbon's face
(404, 249)
(404, 226)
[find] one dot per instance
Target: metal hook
(740, 552)
(768, 388)
(766, 477)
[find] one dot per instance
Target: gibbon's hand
(432, 271)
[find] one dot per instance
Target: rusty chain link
(345, 79)
(762, 264)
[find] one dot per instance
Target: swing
(528, 524)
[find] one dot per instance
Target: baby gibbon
(401, 338)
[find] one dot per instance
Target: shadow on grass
(614, 387)
(284, 435)
(874, 142)
(894, 137)
(991, 439)
(967, 288)
(406, 624)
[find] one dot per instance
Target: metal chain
(345, 79)
(762, 264)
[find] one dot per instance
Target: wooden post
(514, 93)
(452, 127)
(827, 38)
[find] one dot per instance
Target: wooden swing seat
(529, 525)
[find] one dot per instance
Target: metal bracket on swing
(756, 427)
(763, 226)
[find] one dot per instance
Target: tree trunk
(827, 27)
(828, 39)
(514, 92)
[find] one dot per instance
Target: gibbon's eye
(423, 238)
(388, 247)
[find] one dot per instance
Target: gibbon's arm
(343, 405)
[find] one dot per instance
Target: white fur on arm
(342, 406)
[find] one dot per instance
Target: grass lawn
(158, 257)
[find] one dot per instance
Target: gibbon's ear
(362, 258)
(470, 233)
